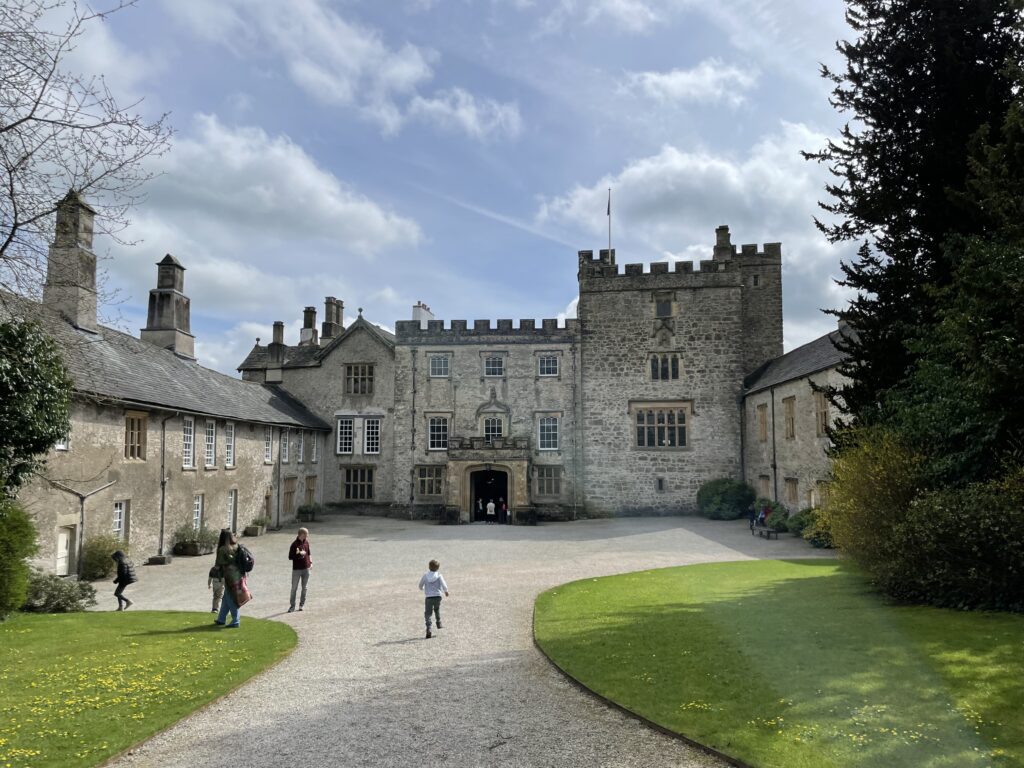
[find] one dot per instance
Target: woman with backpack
(236, 594)
(125, 576)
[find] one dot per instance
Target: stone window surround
(188, 442)
(198, 510)
(428, 417)
(655, 405)
(502, 425)
(120, 519)
(210, 444)
(447, 357)
(359, 378)
(789, 417)
(63, 443)
(792, 491)
(821, 414)
(371, 437)
(348, 433)
(268, 445)
(430, 477)
(501, 355)
(286, 439)
(548, 486)
(668, 362)
(229, 444)
(539, 417)
(358, 483)
(660, 299)
(545, 354)
(136, 424)
(762, 422)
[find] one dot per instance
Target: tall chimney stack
(168, 324)
(307, 336)
(724, 249)
(70, 287)
(421, 313)
(334, 321)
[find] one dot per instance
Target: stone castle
(666, 379)
(628, 408)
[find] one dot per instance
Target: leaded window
(661, 428)
(359, 379)
(429, 481)
(359, 483)
(549, 481)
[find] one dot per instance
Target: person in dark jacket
(302, 561)
(125, 576)
(236, 594)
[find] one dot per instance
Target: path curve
(364, 688)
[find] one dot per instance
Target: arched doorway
(487, 485)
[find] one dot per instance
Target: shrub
(261, 521)
(48, 593)
(818, 531)
(17, 544)
(724, 499)
(961, 548)
(309, 511)
(776, 515)
(97, 562)
(798, 522)
(874, 479)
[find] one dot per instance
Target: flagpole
(609, 223)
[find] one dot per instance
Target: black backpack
(244, 559)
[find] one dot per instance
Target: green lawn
(795, 663)
(77, 688)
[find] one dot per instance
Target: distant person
(125, 576)
(236, 594)
(490, 511)
(215, 582)
(479, 509)
(502, 511)
(302, 561)
(433, 585)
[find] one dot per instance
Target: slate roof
(114, 365)
(307, 356)
(812, 357)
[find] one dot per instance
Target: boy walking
(215, 582)
(125, 576)
(433, 586)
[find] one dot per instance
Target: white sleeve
(444, 586)
(424, 576)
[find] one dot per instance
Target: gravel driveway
(364, 688)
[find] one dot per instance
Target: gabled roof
(817, 355)
(309, 355)
(112, 365)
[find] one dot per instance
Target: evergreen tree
(921, 80)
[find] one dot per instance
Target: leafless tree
(61, 130)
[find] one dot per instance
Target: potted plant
(257, 527)
(307, 512)
(188, 540)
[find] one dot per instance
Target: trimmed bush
(798, 522)
(97, 562)
(818, 531)
(724, 499)
(48, 593)
(17, 544)
(961, 548)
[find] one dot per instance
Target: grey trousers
(432, 606)
(297, 576)
(218, 593)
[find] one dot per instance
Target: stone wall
(802, 457)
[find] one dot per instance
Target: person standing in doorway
(479, 509)
(503, 512)
(302, 560)
(125, 576)
(490, 511)
(433, 586)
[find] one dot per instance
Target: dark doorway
(487, 485)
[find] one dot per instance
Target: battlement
(459, 331)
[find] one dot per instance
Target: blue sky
(459, 152)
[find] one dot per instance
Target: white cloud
(629, 15)
(479, 118)
(709, 81)
(341, 63)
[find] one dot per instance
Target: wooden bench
(762, 530)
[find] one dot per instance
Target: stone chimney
(421, 314)
(275, 353)
(334, 319)
(724, 249)
(70, 287)
(168, 323)
(307, 336)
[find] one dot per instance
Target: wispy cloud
(710, 81)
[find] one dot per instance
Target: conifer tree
(921, 80)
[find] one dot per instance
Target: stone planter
(255, 530)
(191, 549)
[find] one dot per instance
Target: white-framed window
(547, 365)
(549, 481)
(437, 429)
(268, 445)
(492, 428)
(439, 366)
(229, 444)
(120, 519)
(548, 433)
(285, 440)
(135, 428)
(345, 432)
(232, 518)
(314, 441)
(197, 511)
(211, 443)
(63, 443)
(188, 442)
(371, 436)
(301, 447)
(661, 427)
(494, 365)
